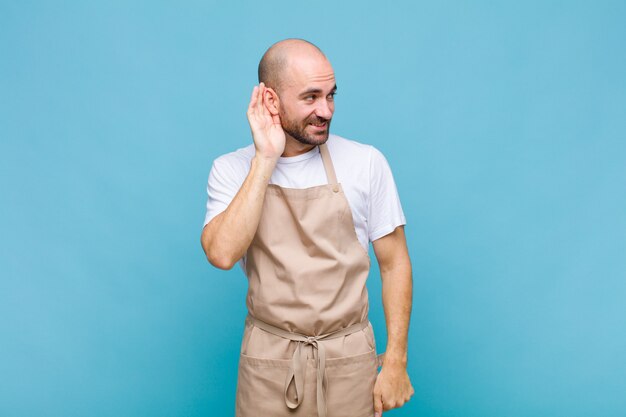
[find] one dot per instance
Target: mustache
(318, 120)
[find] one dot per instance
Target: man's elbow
(217, 258)
(217, 254)
(220, 261)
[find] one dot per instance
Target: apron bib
(308, 347)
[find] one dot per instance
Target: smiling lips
(319, 126)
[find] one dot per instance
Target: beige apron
(308, 348)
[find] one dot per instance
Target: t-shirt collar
(301, 157)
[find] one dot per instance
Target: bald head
(274, 66)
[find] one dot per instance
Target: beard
(297, 130)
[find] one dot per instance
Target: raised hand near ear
(267, 132)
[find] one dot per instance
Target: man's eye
(309, 98)
(332, 95)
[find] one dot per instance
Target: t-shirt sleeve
(225, 180)
(384, 211)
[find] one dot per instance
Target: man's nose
(324, 109)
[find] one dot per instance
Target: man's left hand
(392, 389)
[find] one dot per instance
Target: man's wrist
(264, 164)
(395, 358)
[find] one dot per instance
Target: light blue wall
(504, 125)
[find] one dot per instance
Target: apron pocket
(351, 384)
(260, 387)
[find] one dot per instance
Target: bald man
(297, 209)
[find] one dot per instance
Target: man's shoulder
(348, 147)
(355, 153)
(238, 159)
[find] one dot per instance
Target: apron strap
(328, 167)
(297, 368)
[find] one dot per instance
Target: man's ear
(271, 100)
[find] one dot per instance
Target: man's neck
(294, 147)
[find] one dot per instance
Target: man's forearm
(227, 236)
(397, 293)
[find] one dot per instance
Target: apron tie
(297, 369)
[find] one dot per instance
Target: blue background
(503, 123)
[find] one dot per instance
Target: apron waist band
(297, 369)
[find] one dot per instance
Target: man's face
(307, 100)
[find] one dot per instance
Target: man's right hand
(267, 132)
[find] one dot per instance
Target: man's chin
(317, 139)
(321, 136)
(320, 139)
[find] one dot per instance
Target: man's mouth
(319, 125)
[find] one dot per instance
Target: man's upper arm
(385, 212)
(391, 249)
(225, 180)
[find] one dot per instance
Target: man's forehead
(304, 72)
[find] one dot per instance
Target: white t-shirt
(362, 171)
